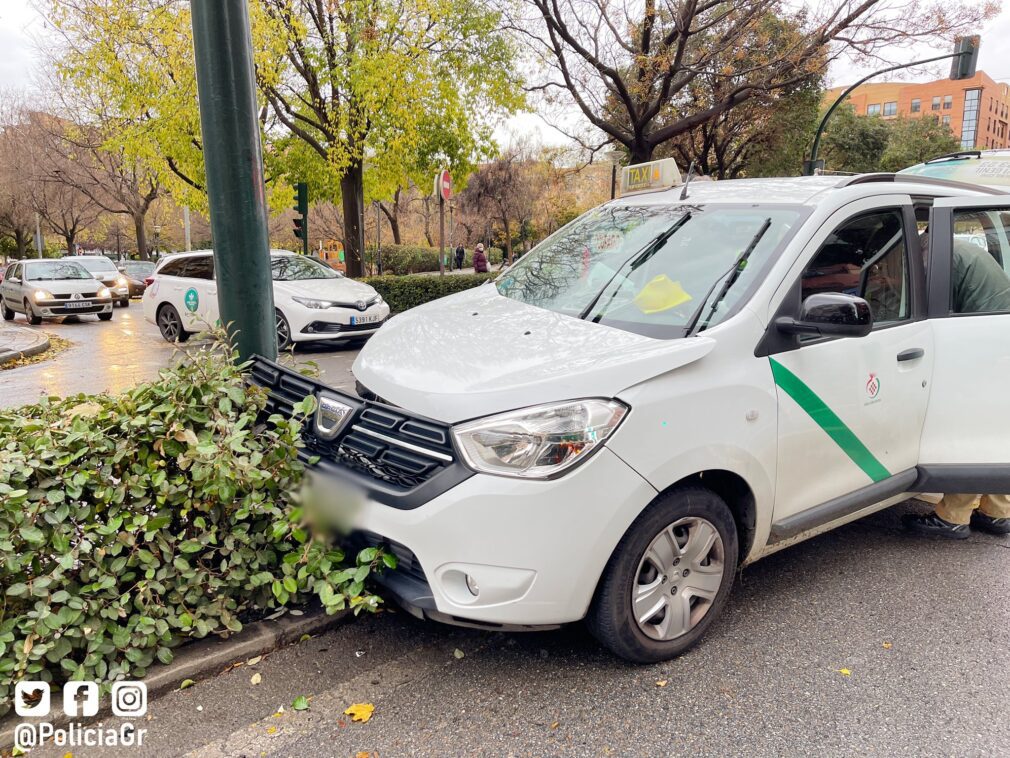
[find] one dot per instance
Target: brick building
(977, 109)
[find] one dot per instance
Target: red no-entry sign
(443, 184)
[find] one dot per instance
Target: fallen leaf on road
(360, 712)
(271, 730)
(186, 684)
(300, 703)
(844, 672)
(662, 683)
(256, 678)
(458, 654)
(887, 645)
(254, 661)
(555, 724)
(305, 637)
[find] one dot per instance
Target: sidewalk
(21, 341)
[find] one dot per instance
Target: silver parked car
(105, 271)
(44, 288)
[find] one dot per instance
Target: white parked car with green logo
(312, 301)
(676, 384)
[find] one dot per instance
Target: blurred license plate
(355, 320)
(77, 304)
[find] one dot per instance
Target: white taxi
(674, 385)
(312, 301)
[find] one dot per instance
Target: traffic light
(964, 63)
(302, 219)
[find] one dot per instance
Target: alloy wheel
(168, 322)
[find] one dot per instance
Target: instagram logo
(129, 699)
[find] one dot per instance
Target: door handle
(911, 354)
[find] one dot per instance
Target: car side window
(867, 257)
(171, 268)
(15, 272)
(980, 266)
(201, 267)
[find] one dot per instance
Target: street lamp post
(157, 239)
(966, 57)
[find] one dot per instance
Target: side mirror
(830, 314)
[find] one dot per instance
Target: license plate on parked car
(375, 317)
(77, 304)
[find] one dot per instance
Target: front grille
(84, 296)
(406, 561)
(401, 459)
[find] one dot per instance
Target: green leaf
(290, 584)
(18, 589)
(186, 684)
(300, 703)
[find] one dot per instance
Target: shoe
(932, 525)
(989, 524)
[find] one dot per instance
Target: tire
(170, 324)
(283, 331)
(30, 314)
(124, 303)
(8, 314)
(687, 584)
(105, 316)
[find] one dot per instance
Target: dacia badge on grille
(330, 417)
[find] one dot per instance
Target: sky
(21, 26)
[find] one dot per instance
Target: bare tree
(624, 64)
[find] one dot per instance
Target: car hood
(67, 286)
(343, 290)
(477, 353)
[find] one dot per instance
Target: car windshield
(295, 268)
(652, 270)
(138, 268)
(50, 271)
(98, 265)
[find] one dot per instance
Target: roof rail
(958, 156)
(915, 179)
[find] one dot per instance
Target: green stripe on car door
(828, 420)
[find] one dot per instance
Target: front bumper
(53, 308)
(534, 550)
(310, 324)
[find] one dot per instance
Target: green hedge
(413, 259)
(404, 292)
(131, 522)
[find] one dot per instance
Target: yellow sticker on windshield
(661, 294)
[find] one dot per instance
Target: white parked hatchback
(312, 301)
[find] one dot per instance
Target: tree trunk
(393, 217)
(21, 242)
(508, 237)
(351, 195)
(69, 237)
(138, 225)
(640, 151)
(427, 222)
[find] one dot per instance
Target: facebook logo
(80, 699)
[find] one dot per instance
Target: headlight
(43, 295)
(104, 293)
(308, 302)
(121, 281)
(539, 442)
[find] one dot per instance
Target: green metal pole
(234, 160)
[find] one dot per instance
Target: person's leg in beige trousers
(955, 512)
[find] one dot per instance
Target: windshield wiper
(733, 273)
(636, 260)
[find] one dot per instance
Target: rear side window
(171, 268)
(199, 268)
(980, 269)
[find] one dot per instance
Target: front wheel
(668, 578)
(8, 314)
(170, 324)
(283, 332)
(124, 303)
(30, 314)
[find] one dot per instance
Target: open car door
(966, 437)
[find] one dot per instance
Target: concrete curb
(39, 344)
(205, 658)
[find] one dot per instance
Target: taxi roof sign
(986, 167)
(648, 177)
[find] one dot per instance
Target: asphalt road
(766, 681)
(112, 355)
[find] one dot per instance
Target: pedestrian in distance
(460, 255)
(479, 260)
